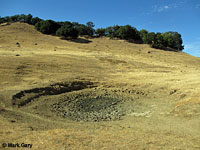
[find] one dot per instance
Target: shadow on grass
(78, 40)
(171, 49)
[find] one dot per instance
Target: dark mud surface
(24, 97)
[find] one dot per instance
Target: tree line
(72, 30)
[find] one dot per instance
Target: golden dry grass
(171, 81)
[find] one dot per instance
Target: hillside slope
(157, 93)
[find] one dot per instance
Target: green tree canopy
(14, 18)
(90, 24)
(144, 36)
(173, 40)
(67, 31)
(165, 40)
(28, 19)
(100, 32)
(22, 17)
(150, 38)
(35, 20)
(84, 30)
(112, 31)
(128, 33)
(158, 41)
(47, 26)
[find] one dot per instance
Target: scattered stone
(93, 107)
(36, 43)
(12, 121)
(18, 44)
(31, 128)
(172, 92)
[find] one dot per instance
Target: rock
(18, 44)
(172, 92)
(31, 128)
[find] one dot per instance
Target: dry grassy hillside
(95, 93)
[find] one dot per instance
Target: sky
(182, 16)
